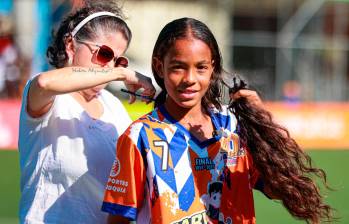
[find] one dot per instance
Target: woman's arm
(48, 84)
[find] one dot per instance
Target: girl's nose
(189, 76)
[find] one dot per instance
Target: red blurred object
(4, 42)
(9, 123)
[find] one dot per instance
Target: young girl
(192, 160)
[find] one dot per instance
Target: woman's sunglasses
(105, 54)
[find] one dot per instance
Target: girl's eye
(202, 68)
(176, 67)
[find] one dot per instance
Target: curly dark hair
(56, 52)
(285, 168)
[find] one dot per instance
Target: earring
(70, 61)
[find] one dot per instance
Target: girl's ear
(157, 65)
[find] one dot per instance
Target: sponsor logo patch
(115, 170)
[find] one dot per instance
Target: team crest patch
(230, 147)
(115, 170)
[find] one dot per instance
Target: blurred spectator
(11, 63)
(9, 69)
(292, 91)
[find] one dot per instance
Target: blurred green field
(335, 163)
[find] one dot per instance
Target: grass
(9, 187)
(335, 163)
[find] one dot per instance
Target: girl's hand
(250, 95)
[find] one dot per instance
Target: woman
(69, 124)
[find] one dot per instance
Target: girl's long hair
(285, 168)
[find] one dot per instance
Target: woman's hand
(135, 81)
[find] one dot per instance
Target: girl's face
(187, 69)
(84, 55)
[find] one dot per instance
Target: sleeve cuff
(125, 211)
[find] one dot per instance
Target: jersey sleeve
(124, 192)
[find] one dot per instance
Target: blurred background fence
(289, 50)
(295, 53)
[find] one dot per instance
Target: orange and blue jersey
(163, 174)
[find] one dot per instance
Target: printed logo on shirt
(204, 164)
(212, 201)
(115, 170)
(117, 185)
(197, 218)
(230, 149)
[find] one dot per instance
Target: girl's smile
(187, 93)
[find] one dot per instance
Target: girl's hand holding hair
(251, 96)
(238, 88)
